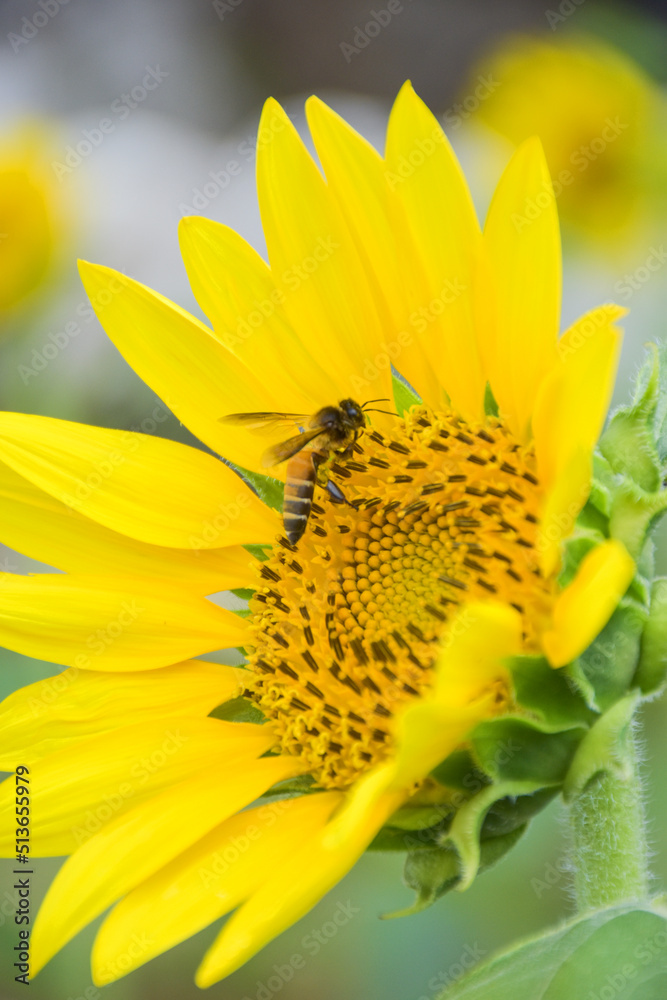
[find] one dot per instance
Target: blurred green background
(170, 153)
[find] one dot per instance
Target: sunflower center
(347, 623)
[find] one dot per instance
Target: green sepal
(433, 873)
(576, 548)
(391, 838)
(652, 668)
(404, 395)
(260, 552)
(605, 747)
(603, 483)
(238, 710)
(508, 813)
(619, 953)
(420, 817)
(243, 593)
(490, 403)
(459, 771)
(549, 693)
(634, 515)
(629, 440)
(515, 749)
(465, 832)
(628, 445)
(604, 672)
(302, 784)
(268, 489)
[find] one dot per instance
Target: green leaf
(652, 670)
(618, 954)
(404, 395)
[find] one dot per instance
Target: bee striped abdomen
(299, 489)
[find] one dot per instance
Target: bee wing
(281, 452)
(264, 421)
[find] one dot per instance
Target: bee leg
(336, 495)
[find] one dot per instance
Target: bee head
(354, 413)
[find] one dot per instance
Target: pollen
(347, 624)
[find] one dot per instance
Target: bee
(332, 430)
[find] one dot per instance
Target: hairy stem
(608, 835)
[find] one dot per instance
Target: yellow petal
(574, 399)
(234, 287)
(562, 505)
(291, 891)
(522, 240)
(96, 623)
(178, 357)
(569, 414)
(78, 790)
(479, 637)
(424, 174)
(47, 716)
(43, 528)
(151, 489)
(210, 879)
(586, 605)
(355, 172)
(132, 847)
(314, 262)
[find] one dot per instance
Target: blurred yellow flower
(29, 210)
(600, 122)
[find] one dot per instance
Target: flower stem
(608, 832)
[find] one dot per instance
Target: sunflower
(377, 641)
(600, 120)
(29, 215)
